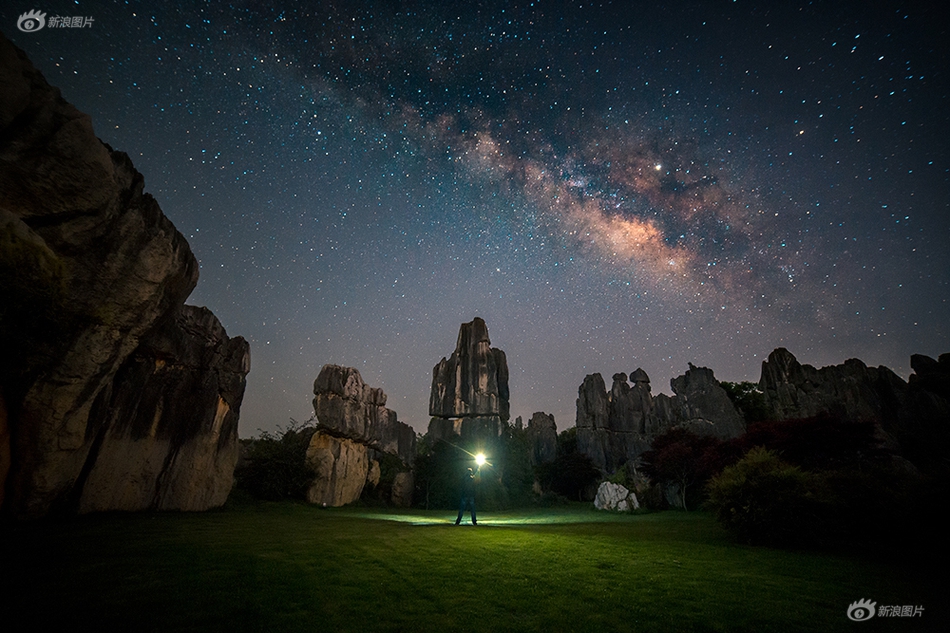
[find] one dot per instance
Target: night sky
(609, 185)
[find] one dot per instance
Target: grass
(290, 567)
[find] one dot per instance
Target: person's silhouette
(468, 496)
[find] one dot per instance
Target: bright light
(480, 459)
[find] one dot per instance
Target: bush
(763, 500)
(273, 466)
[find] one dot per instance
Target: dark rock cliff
(91, 269)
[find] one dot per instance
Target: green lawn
(289, 567)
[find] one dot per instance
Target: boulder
(340, 466)
(89, 267)
(373, 474)
(615, 497)
(403, 486)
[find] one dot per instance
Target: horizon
(609, 189)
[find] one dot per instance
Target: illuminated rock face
(354, 425)
(92, 271)
(168, 424)
(611, 496)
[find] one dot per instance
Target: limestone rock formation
(617, 426)
(340, 466)
(852, 390)
(347, 407)
(473, 381)
(611, 496)
(701, 405)
(353, 424)
(542, 438)
(913, 418)
(166, 428)
(608, 423)
(89, 268)
(403, 485)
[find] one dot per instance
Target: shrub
(273, 466)
(763, 500)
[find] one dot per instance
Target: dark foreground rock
(90, 268)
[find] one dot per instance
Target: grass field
(291, 567)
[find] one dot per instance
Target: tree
(571, 473)
(747, 398)
(683, 458)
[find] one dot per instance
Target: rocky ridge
(617, 426)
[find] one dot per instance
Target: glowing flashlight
(480, 459)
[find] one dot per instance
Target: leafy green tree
(747, 398)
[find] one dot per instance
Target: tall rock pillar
(469, 394)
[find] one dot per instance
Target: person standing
(468, 496)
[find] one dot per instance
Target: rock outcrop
(340, 467)
(90, 269)
(469, 395)
(542, 438)
(913, 418)
(353, 426)
(617, 426)
(166, 428)
(851, 390)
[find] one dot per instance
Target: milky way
(609, 185)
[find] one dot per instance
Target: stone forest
(117, 395)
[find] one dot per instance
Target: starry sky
(609, 185)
